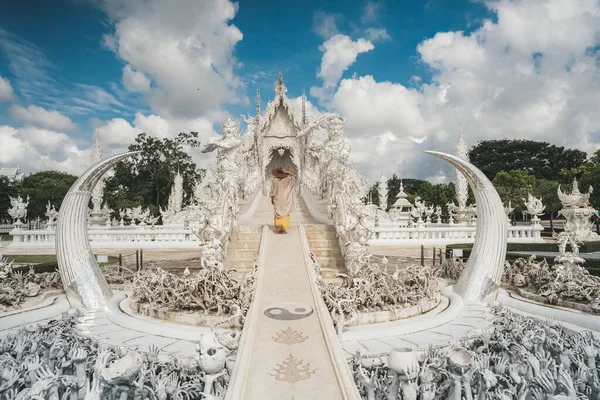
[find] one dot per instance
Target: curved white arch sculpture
(82, 279)
(486, 262)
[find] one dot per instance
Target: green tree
(540, 159)
(547, 191)
(589, 175)
(436, 195)
(514, 186)
(43, 187)
(146, 179)
(7, 188)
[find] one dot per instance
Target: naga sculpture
(535, 208)
(82, 279)
(486, 263)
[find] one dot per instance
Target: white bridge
(164, 236)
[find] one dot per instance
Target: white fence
(446, 234)
(138, 237)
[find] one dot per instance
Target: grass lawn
(6, 237)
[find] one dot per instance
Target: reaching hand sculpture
(31, 368)
(521, 358)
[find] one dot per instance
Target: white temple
(313, 148)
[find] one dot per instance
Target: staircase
(244, 244)
(323, 242)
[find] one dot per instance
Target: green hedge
(591, 264)
(39, 268)
(588, 247)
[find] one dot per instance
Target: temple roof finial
(280, 89)
(303, 107)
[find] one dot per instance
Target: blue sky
(405, 74)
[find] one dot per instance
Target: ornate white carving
(97, 216)
(578, 211)
(52, 215)
(508, 210)
(535, 207)
(462, 214)
(82, 279)
(175, 203)
(383, 193)
(486, 263)
(18, 209)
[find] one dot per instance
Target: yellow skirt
(283, 223)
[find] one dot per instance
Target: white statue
(98, 215)
(578, 212)
(461, 213)
(51, 214)
(18, 209)
(383, 193)
(508, 210)
(535, 207)
(175, 203)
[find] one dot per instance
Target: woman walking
(282, 198)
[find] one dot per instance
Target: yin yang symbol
(288, 311)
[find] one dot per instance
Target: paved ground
(472, 320)
(288, 330)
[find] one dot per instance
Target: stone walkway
(289, 355)
(473, 319)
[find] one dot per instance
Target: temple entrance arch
(280, 157)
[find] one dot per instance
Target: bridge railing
(434, 234)
(115, 237)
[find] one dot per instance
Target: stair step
(328, 273)
(247, 229)
(239, 265)
(331, 262)
(319, 228)
(239, 236)
(245, 244)
(321, 236)
(331, 253)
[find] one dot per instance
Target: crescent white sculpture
(82, 279)
(486, 263)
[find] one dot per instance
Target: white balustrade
(114, 237)
(393, 234)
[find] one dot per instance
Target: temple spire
(257, 105)
(280, 89)
(303, 107)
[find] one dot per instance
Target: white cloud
(117, 133)
(372, 108)
(450, 50)
(41, 149)
(6, 90)
(339, 53)
(325, 24)
(439, 177)
(532, 74)
(371, 11)
(40, 117)
(377, 34)
(186, 51)
(135, 81)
